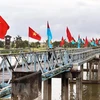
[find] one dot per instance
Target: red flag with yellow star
(3, 28)
(33, 34)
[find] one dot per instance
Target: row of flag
(4, 28)
(80, 41)
(31, 33)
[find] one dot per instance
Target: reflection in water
(89, 92)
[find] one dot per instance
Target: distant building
(7, 41)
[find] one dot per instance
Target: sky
(82, 17)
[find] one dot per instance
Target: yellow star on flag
(34, 33)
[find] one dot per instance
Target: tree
(1, 44)
(37, 44)
(18, 42)
(56, 43)
(25, 43)
(32, 44)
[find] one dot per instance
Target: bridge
(51, 63)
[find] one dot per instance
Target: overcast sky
(80, 16)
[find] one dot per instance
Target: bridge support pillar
(64, 92)
(26, 86)
(87, 65)
(81, 68)
(90, 71)
(77, 74)
(99, 71)
(47, 90)
(78, 87)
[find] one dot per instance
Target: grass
(38, 49)
(17, 50)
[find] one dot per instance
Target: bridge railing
(50, 62)
(73, 50)
(45, 61)
(81, 57)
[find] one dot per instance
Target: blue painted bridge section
(50, 62)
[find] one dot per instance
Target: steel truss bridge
(50, 62)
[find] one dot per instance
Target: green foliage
(35, 44)
(56, 43)
(18, 42)
(1, 44)
(24, 44)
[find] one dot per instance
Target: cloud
(81, 16)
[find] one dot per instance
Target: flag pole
(29, 43)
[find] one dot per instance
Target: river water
(89, 91)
